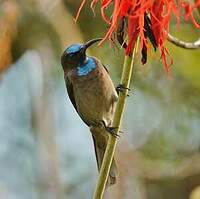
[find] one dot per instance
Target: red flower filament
(148, 19)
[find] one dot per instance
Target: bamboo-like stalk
(198, 8)
(110, 149)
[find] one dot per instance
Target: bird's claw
(122, 88)
(112, 131)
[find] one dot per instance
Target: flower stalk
(110, 149)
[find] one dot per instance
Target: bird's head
(75, 54)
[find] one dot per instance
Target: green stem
(198, 8)
(110, 149)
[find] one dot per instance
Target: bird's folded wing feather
(70, 92)
(72, 98)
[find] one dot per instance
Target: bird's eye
(72, 54)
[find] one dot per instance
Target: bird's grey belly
(94, 101)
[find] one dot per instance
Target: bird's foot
(121, 88)
(111, 130)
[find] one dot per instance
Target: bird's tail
(100, 144)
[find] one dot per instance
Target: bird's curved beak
(91, 42)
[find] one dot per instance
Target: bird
(93, 96)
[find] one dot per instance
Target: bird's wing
(98, 62)
(70, 92)
(105, 68)
(72, 98)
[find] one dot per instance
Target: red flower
(148, 19)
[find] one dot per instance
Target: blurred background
(46, 151)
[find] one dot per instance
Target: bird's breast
(94, 94)
(85, 68)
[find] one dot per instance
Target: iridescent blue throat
(88, 66)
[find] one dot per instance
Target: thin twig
(110, 149)
(183, 44)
